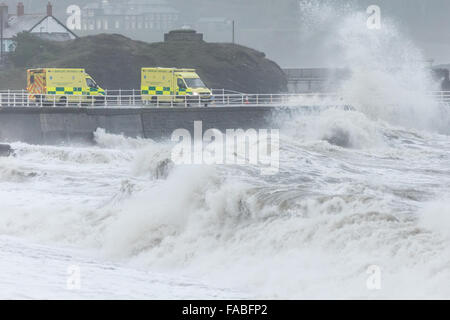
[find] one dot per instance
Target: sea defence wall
(76, 125)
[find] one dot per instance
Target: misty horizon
(293, 33)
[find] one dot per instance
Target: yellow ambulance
(171, 85)
(63, 86)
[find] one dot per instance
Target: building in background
(138, 19)
(183, 35)
(43, 25)
(314, 80)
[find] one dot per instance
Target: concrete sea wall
(74, 125)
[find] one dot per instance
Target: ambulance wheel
(154, 100)
(99, 100)
(62, 101)
(38, 100)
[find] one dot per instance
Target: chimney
(20, 9)
(4, 14)
(49, 9)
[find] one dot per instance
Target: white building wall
(51, 25)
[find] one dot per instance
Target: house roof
(28, 22)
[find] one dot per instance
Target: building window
(117, 24)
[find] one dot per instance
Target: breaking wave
(311, 231)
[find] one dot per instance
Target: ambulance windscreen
(194, 83)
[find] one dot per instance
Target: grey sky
(280, 29)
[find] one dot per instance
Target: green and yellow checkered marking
(156, 91)
(64, 91)
(184, 92)
(72, 91)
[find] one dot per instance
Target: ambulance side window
(181, 83)
(91, 83)
(31, 79)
